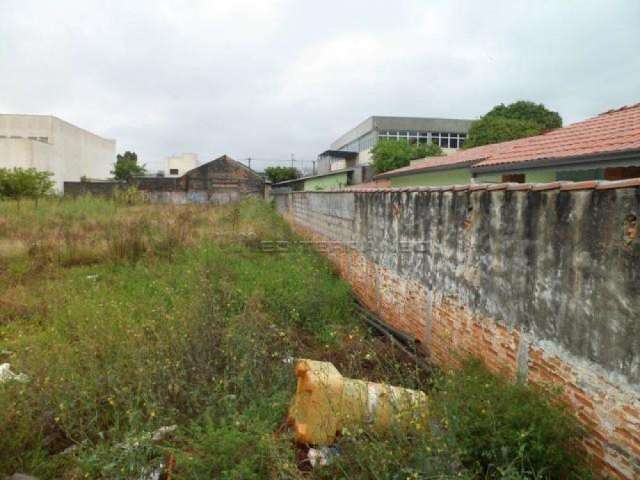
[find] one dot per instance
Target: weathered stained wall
(543, 285)
(223, 180)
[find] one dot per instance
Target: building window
(513, 178)
(621, 173)
(173, 171)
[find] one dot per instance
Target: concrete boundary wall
(543, 285)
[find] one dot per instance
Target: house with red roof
(605, 147)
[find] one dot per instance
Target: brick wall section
(544, 286)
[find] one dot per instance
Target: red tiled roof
(615, 131)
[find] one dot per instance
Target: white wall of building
(182, 163)
(48, 143)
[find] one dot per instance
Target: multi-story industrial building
(48, 143)
(347, 161)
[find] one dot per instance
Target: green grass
(180, 318)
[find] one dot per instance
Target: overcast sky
(268, 78)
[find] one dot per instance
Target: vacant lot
(128, 318)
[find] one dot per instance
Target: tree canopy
(126, 166)
(392, 154)
(281, 174)
(509, 122)
(426, 150)
(20, 183)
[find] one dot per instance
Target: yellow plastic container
(326, 403)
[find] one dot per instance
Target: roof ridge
(620, 109)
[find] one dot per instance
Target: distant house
(222, 180)
(326, 181)
(605, 147)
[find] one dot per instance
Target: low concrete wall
(101, 189)
(159, 190)
(542, 285)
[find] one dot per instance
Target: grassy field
(130, 318)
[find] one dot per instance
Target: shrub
(498, 427)
(391, 154)
(20, 183)
(280, 174)
(426, 150)
(130, 196)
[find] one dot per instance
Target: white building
(178, 165)
(48, 143)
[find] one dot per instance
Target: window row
(444, 139)
(39, 139)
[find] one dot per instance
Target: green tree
(126, 166)
(20, 183)
(498, 129)
(281, 174)
(426, 150)
(525, 110)
(509, 122)
(392, 154)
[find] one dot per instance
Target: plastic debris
(70, 450)
(326, 403)
(322, 456)
(161, 433)
(7, 375)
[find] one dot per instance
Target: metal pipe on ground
(401, 340)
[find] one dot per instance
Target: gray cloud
(270, 78)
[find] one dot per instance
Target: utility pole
(314, 167)
(249, 159)
(293, 159)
